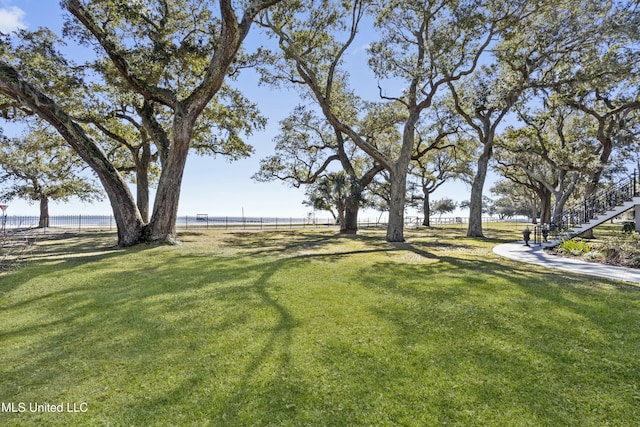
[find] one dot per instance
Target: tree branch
(150, 92)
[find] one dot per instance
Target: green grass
(304, 328)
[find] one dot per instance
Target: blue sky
(213, 186)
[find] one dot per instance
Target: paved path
(536, 255)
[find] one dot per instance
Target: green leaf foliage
(40, 165)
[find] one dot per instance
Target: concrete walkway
(535, 254)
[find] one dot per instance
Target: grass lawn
(307, 328)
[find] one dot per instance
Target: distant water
(108, 222)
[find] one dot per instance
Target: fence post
(79, 223)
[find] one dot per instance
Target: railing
(187, 222)
(598, 204)
(205, 221)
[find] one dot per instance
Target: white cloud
(359, 49)
(11, 18)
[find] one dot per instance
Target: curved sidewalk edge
(536, 255)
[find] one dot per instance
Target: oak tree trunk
(44, 212)
(477, 188)
(534, 212)
(545, 208)
(426, 209)
(126, 214)
(395, 226)
(162, 227)
(142, 182)
(340, 219)
(349, 223)
(142, 196)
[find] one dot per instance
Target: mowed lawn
(308, 328)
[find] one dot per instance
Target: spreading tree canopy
(174, 56)
(39, 166)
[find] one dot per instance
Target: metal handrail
(599, 203)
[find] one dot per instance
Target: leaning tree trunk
(475, 208)
(162, 227)
(349, 225)
(395, 226)
(534, 212)
(398, 176)
(556, 215)
(142, 195)
(477, 187)
(340, 219)
(129, 223)
(545, 207)
(352, 205)
(142, 182)
(349, 219)
(44, 212)
(128, 220)
(426, 209)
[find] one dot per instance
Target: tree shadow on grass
(287, 243)
(69, 241)
(61, 253)
(158, 338)
(508, 339)
(201, 337)
(150, 340)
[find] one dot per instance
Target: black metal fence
(598, 204)
(187, 222)
(205, 221)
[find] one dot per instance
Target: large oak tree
(305, 150)
(152, 45)
(39, 166)
(423, 45)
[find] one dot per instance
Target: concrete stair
(610, 214)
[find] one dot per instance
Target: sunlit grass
(310, 328)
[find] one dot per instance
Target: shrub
(594, 255)
(628, 227)
(623, 250)
(574, 247)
